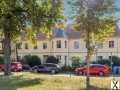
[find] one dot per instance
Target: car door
(93, 69)
(41, 68)
(48, 68)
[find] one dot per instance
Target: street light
(111, 62)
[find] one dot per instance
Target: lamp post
(111, 62)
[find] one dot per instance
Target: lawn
(30, 81)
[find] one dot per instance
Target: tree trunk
(7, 53)
(88, 75)
(88, 61)
(16, 50)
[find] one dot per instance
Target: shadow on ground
(15, 82)
(96, 88)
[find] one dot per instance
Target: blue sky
(118, 4)
(67, 8)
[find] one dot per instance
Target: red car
(94, 69)
(15, 67)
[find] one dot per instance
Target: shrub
(104, 62)
(31, 60)
(52, 59)
(67, 68)
(1, 60)
(115, 61)
(76, 61)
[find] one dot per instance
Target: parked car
(26, 68)
(94, 69)
(1, 67)
(48, 67)
(15, 67)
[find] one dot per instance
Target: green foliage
(16, 15)
(115, 61)
(31, 60)
(67, 68)
(52, 59)
(94, 19)
(104, 62)
(76, 61)
(1, 60)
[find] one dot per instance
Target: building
(64, 44)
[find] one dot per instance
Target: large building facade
(65, 44)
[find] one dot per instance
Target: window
(19, 46)
(76, 45)
(111, 44)
(35, 47)
(44, 45)
(59, 57)
(50, 65)
(19, 58)
(45, 58)
(99, 57)
(65, 44)
(58, 43)
(110, 57)
(40, 66)
(100, 45)
(26, 45)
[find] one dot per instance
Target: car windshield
(50, 65)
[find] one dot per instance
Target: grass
(30, 81)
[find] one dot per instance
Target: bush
(52, 59)
(67, 69)
(115, 61)
(1, 60)
(31, 60)
(104, 62)
(76, 61)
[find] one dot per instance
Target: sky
(67, 9)
(118, 4)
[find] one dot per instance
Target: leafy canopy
(94, 17)
(16, 15)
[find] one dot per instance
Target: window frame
(76, 44)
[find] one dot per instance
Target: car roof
(96, 65)
(50, 64)
(16, 62)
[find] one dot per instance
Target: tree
(94, 19)
(31, 60)
(16, 15)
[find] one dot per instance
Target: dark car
(94, 69)
(25, 67)
(48, 67)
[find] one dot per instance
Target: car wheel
(15, 70)
(101, 73)
(80, 73)
(53, 71)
